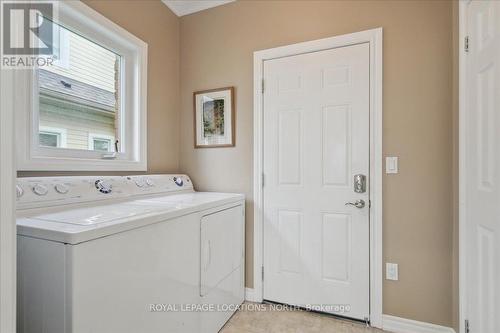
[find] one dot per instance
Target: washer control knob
(150, 182)
(19, 191)
(40, 189)
(61, 188)
(140, 182)
(178, 181)
(103, 187)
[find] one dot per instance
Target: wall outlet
(391, 271)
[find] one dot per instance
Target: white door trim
(374, 38)
(462, 136)
(7, 204)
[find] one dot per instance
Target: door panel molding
(374, 38)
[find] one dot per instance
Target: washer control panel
(19, 191)
(39, 189)
(178, 181)
(61, 188)
(103, 186)
(161, 183)
(54, 191)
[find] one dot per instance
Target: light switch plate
(391, 271)
(391, 164)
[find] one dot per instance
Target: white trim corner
(374, 38)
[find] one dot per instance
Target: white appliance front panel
(114, 280)
(41, 286)
(222, 264)
(221, 246)
(316, 249)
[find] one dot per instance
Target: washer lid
(102, 214)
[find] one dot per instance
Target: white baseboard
(402, 325)
(250, 295)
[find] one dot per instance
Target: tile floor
(250, 320)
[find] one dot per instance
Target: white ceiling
(185, 7)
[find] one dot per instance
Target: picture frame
(214, 118)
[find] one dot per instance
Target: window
(81, 92)
(94, 95)
(102, 142)
(102, 145)
(48, 139)
(52, 137)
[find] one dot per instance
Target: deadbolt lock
(359, 183)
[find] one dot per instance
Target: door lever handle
(358, 204)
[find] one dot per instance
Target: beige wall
(155, 24)
(217, 47)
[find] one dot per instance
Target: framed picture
(214, 118)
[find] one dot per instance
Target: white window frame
(94, 136)
(132, 133)
(61, 132)
(63, 41)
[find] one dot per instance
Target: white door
(482, 187)
(316, 139)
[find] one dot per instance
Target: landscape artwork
(214, 118)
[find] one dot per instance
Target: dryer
(127, 254)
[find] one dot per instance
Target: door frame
(7, 203)
(374, 38)
(462, 174)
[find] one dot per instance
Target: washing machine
(127, 254)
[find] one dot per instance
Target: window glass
(102, 145)
(49, 139)
(80, 93)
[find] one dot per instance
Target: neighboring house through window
(80, 92)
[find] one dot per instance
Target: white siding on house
(87, 62)
(77, 130)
